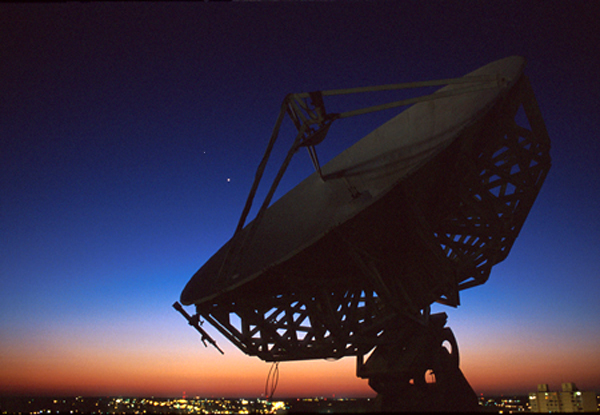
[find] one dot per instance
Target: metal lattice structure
(481, 190)
(367, 283)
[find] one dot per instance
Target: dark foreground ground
(189, 406)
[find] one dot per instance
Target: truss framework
(453, 221)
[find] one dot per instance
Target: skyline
(131, 134)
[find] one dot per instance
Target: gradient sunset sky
(130, 134)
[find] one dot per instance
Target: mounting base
(419, 371)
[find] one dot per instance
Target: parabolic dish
(354, 182)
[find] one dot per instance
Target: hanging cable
(272, 380)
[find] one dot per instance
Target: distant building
(570, 399)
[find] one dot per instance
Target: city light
(152, 405)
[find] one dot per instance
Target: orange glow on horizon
(512, 367)
(83, 365)
(58, 368)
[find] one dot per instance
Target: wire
(272, 379)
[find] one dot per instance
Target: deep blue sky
(130, 134)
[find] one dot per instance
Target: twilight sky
(130, 134)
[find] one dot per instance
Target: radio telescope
(348, 262)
